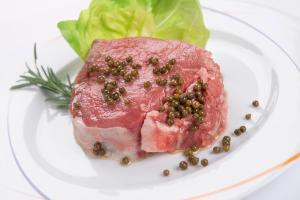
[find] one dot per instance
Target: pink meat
(139, 127)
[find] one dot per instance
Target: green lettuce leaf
(111, 19)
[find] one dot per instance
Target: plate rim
(269, 171)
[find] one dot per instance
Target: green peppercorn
(217, 150)
(168, 67)
(123, 64)
(188, 109)
(125, 161)
(172, 61)
(111, 63)
(255, 103)
(184, 113)
(173, 83)
(237, 132)
(188, 102)
(162, 109)
(226, 138)
(204, 162)
(166, 172)
(195, 148)
(190, 95)
(171, 109)
(123, 72)
(97, 145)
(200, 82)
(134, 73)
(226, 148)
(198, 94)
(243, 129)
(188, 152)
(153, 61)
(122, 90)
(178, 91)
(102, 152)
(129, 59)
(171, 115)
(183, 165)
(127, 78)
(177, 115)
(169, 99)
(194, 128)
(201, 100)
(115, 96)
(163, 70)
(175, 103)
(147, 84)
(170, 122)
(225, 142)
(204, 87)
(196, 88)
(108, 58)
(193, 160)
(117, 63)
(114, 72)
(106, 71)
(195, 104)
(77, 105)
(156, 71)
(176, 96)
(183, 99)
(100, 79)
(248, 116)
(110, 101)
(127, 102)
(119, 68)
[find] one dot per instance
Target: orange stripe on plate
(250, 179)
(21, 193)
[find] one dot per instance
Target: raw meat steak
(131, 130)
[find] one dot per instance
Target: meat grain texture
(139, 128)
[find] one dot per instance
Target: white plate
(254, 67)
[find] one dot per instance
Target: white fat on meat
(118, 141)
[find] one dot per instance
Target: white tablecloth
(24, 22)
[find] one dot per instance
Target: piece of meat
(138, 128)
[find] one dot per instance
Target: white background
(24, 22)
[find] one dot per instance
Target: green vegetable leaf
(111, 19)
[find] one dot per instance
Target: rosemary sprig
(45, 78)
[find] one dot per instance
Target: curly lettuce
(111, 19)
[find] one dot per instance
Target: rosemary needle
(45, 78)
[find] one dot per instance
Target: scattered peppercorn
(156, 71)
(255, 103)
(147, 84)
(243, 129)
(162, 109)
(237, 132)
(248, 116)
(172, 61)
(127, 102)
(226, 148)
(108, 58)
(195, 148)
(125, 161)
(166, 172)
(217, 150)
(129, 59)
(183, 165)
(122, 90)
(153, 61)
(76, 105)
(193, 160)
(100, 79)
(204, 162)
(188, 152)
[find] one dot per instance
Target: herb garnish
(45, 78)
